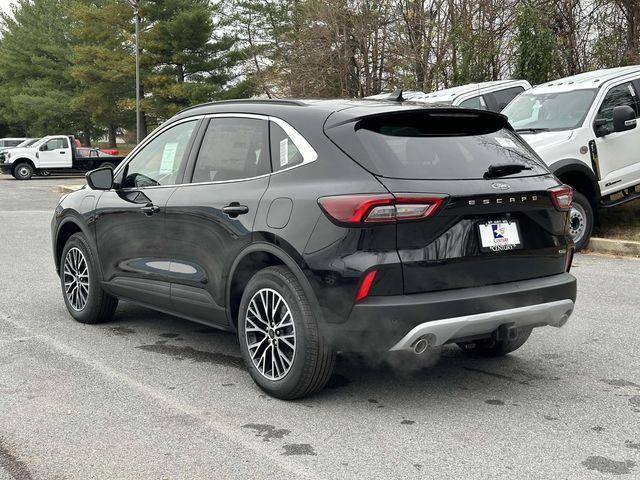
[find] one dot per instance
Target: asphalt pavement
(150, 396)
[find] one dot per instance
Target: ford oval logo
(500, 186)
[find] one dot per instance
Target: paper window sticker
(284, 152)
(168, 157)
(212, 174)
(631, 90)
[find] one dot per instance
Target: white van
(492, 96)
(585, 129)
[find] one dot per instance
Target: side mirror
(43, 148)
(100, 178)
(624, 118)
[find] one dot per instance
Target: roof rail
(262, 101)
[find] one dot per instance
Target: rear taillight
(365, 285)
(562, 197)
(380, 208)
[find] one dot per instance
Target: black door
(210, 220)
(129, 222)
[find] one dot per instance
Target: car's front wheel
(83, 295)
(23, 171)
(280, 339)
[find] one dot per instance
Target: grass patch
(621, 222)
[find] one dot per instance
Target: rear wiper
(532, 130)
(502, 169)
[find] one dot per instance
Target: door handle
(62, 153)
(234, 209)
(149, 209)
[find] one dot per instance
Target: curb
(614, 247)
(67, 188)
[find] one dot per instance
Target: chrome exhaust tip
(421, 345)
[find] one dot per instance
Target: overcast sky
(5, 5)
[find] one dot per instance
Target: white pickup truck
(584, 128)
(494, 95)
(52, 154)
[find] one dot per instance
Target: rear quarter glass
(434, 146)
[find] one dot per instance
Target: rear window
(434, 146)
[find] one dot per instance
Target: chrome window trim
(308, 153)
(306, 150)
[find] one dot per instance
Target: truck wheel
(43, 173)
(496, 348)
(23, 171)
(580, 220)
(83, 295)
(108, 165)
(280, 339)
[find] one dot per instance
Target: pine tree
(104, 64)
(185, 61)
(35, 58)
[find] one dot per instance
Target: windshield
(549, 111)
(28, 142)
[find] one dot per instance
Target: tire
(99, 306)
(108, 165)
(496, 348)
(581, 220)
(23, 171)
(43, 173)
(311, 360)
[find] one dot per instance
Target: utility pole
(135, 4)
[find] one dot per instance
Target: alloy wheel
(270, 334)
(76, 279)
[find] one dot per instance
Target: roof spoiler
(491, 121)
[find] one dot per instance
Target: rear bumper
(396, 322)
(439, 332)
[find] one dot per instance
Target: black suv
(314, 227)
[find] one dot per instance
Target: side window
(233, 149)
(624, 94)
(56, 144)
(13, 143)
(504, 97)
(284, 153)
(478, 103)
(159, 162)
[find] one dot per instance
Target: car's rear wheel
(23, 171)
(497, 348)
(280, 339)
(83, 295)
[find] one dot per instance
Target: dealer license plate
(499, 236)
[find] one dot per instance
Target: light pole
(135, 4)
